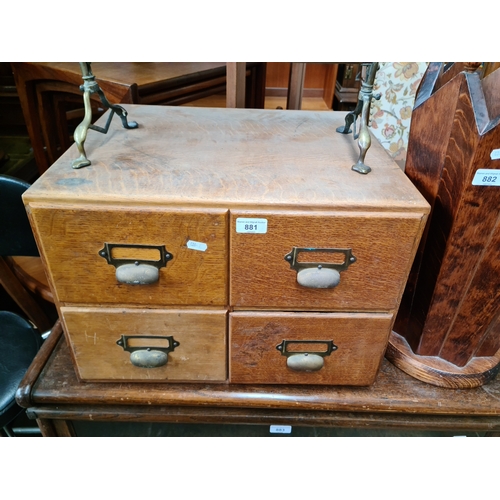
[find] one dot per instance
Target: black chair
(17, 243)
(20, 339)
(20, 343)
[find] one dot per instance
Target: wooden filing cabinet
(227, 246)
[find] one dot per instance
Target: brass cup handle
(146, 356)
(136, 271)
(318, 277)
(319, 274)
(306, 361)
(137, 274)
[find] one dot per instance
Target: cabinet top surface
(218, 157)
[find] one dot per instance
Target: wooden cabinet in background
(347, 86)
(448, 328)
(319, 80)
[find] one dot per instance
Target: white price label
(486, 177)
(196, 245)
(495, 154)
(256, 226)
(280, 429)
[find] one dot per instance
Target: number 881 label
(255, 226)
(486, 177)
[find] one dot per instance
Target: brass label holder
(306, 361)
(148, 356)
(136, 271)
(319, 274)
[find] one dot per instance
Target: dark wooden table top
(127, 73)
(51, 390)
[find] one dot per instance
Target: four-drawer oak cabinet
(227, 246)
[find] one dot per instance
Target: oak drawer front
(87, 251)
(307, 348)
(376, 248)
(112, 344)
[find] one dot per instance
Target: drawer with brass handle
(142, 256)
(328, 261)
(307, 348)
(147, 344)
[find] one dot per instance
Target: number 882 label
(486, 177)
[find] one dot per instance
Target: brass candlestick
(90, 86)
(363, 108)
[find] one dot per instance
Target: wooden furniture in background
(448, 328)
(297, 80)
(52, 394)
(16, 155)
(235, 93)
(21, 296)
(31, 273)
(52, 101)
(11, 115)
(347, 86)
(241, 217)
(296, 85)
(489, 67)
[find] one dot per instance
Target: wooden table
(52, 394)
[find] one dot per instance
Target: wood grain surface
(450, 308)
(361, 340)
(456, 174)
(384, 245)
(55, 388)
(23, 393)
(437, 371)
(490, 84)
(181, 176)
(490, 339)
(21, 296)
(51, 99)
(116, 79)
(470, 322)
(201, 355)
(72, 236)
(457, 296)
(430, 134)
(31, 272)
(228, 158)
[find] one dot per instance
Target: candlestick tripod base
(90, 86)
(362, 108)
